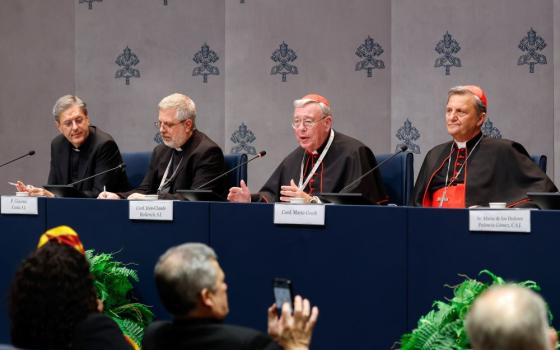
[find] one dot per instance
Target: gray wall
(36, 67)
(52, 47)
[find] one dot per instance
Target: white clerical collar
(460, 144)
(178, 149)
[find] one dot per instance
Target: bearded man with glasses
(81, 150)
(325, 161)
(187, 159)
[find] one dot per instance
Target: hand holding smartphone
(283, 293)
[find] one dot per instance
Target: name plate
(508, 220)
(19, 205)
(299, 214)
(150, 210)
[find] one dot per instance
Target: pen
(11, 183)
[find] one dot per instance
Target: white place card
(150, 210)
(19, 205)
(504, 220)
(299, 214)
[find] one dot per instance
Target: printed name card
(19, 205)
(509, 220)
(150, 210)
(299, 214)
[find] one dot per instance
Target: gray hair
(181, 273)
(508, 317)
(463, 90)
(182, 103)
(326, 110)
(66, 102)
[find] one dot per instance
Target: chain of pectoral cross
(455, 176)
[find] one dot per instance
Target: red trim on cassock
(427, 199)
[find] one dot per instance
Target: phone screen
(282, 289)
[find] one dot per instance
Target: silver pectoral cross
(442, 199)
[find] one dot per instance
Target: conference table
(372, 270)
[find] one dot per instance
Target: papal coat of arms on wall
(368, 51)
(284, 56)
(127, 61)
(532, 44)
(447, 48)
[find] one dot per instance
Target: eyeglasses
(307, 123)
(166, 125)
(68, 123)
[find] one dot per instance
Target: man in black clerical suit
(191, 286)
(81, 150)
(187, 159)
(474, 169)
(326, 161)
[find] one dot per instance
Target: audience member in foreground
(509, 317)
(191, 286)
(53, 303)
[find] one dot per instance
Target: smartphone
(283, 293)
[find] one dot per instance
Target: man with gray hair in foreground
(509, 317)
(191, 286)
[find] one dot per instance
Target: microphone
(402, 149)
(30, 153)
(120, 166)
(259, 155)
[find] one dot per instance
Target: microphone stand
(351, 184)
(120, 166)
(30, 153)
(259, 155)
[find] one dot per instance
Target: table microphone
(30, 153)
(402, 149)
(120, 166)
(259, 155)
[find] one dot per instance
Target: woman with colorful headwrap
(53, 303)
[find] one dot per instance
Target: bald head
(509, 317)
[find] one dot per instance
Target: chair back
(233, 160)
(398, 176)
(137, 164)
(540, 160)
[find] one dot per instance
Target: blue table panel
(353, 268)
(441, 247)
(19, 237)
(105, 227)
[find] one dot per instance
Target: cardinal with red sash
(474, 170)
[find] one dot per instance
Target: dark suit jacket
(98, 153)
(202, 334)
(98, 331)
(202, 161)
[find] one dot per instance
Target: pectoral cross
(442, 199)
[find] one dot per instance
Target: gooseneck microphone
(30, 153)
(402, 149)
(120, 166)
(259, 155)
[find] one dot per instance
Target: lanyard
(301, 185)
(164, 180)
(458, 172)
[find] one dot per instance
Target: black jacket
(202, 161)
(203, 334)
(99, 152)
